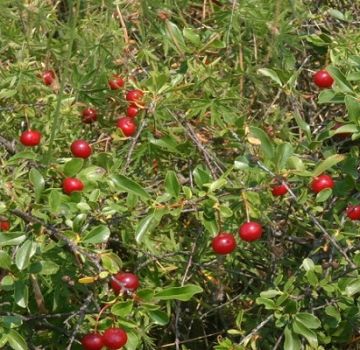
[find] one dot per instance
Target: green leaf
(303, 125)
(24, 254)
(271, 293)
(92, 173)
(353, 287)
(217, 184)
(172, 184)
(271, 74)
(21, 294)
(330, 96)
(125, 184)
(175, 35)
(323, 195)
(16, 341)
(308, 264)
(54, 200)
(11, 238)
(184, 293)
(159, 317)
(147, 224)
(283, 152)
(37, 180)
(73, 166)
(111, 262)
(340, 80)
(306, 332)
(328, 163)
(353, 108)
(201, 176)
(190, 35)
(292, 341)
(5, 260)
(266, 144)
(348, 128)
(308, 320)
(122, 308)
(98, 234)
(295, 163)
(268, 303)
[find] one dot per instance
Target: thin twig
(81, 313)
(256, 329)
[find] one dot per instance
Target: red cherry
(250, 231)
(132, 111)
(4, 225)
(92, 341)
(114, 338)
(353, 212)
(89, 115)
(279, 190)
(48, 77)
(81, 149)
(127, 126)
(127, 281)
(116, 82)
(323, 79)
(30, 138)
(223, 243)
(322, 182)
(134, 95)
(72, 184)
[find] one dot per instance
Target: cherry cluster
(225, 243)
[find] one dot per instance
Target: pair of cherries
(112, 338)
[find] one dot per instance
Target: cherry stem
(99, 315)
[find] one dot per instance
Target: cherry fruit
(321, 183)
(353, 212)
(134, 95)
(250, 231)
(4, 225)
(323, 79)
(279, 190)
(30, 138)
(116, 82)
(72, 184)
(127, 126)
(92, 341)
(132, 111)
(223, 243)
(89, 115)
(81, 149)
(48, 77)
(127, 281)
(114, 338)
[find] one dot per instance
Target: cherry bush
(179, 174)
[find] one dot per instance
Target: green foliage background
(229, 105)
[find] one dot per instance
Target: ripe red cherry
(323, 79)
(322, 182)
(4, 225)
(114, 338)
(132, 111)
(48, 77)
(353, 212)
(127, 126)
(81, 149)
(250, 231)
(127, 280)
(72, 184)
(92, 341)
(223, 243)
(89, 115)
(116, 82)
(30, 138)
(279, 190)
(134, 95)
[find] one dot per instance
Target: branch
(256, 329)
(8, 145)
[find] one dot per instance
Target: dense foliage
(227, 130)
